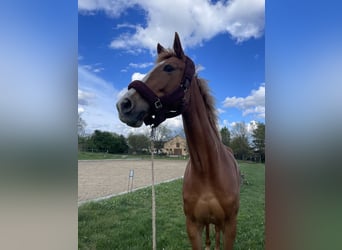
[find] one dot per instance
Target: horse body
(211, 179)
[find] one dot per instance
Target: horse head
(161, 93)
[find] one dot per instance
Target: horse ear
(177, 47)
(160, 48)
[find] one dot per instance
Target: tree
(102, 140)
(81, 124)
(239, 130)
(138, 142)
(239, 142)
(225, 135)
(162, 134)
(240, 147)
(82, 140)
(179, 131)
(120, 144)
(258, 142)
(108, 142)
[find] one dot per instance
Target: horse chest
(209, 196)
(204, 208)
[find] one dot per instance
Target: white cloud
(195, 21)
(199, 68)
(84, 97)
(137, 66)
(221, 111)
(96, 102)
(112, 8)
(174, 124)
(253, 104)
(80, 110)
(251, 126)
(141, 65)
(138, 76)
(96, 68)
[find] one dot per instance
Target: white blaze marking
(149, 73)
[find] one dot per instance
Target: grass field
(124, 222)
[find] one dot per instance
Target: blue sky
(117, 42)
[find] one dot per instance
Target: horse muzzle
(132, 109)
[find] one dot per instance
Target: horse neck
(202, 136)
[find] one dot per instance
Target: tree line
(108, 142)
(103, 141)
(245, 146)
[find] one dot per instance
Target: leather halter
(169, 105)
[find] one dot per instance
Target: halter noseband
(169, 105)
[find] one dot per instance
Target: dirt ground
(104, 178)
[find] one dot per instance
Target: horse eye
(168, 68)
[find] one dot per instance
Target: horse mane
(205, 91)
(209, 102)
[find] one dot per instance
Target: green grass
(98, 156)
(102, 156)
(124, 222)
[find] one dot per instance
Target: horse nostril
(126, 105)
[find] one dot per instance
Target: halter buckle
(185, 85)
(158, 104)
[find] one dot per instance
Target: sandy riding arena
(104, 178)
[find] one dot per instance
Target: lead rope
(154, 244)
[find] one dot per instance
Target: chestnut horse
(211, 184)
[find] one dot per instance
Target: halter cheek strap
(169, 105)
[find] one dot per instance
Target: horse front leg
(229, 233)
(194, 231)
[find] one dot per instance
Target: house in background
(176, 146)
